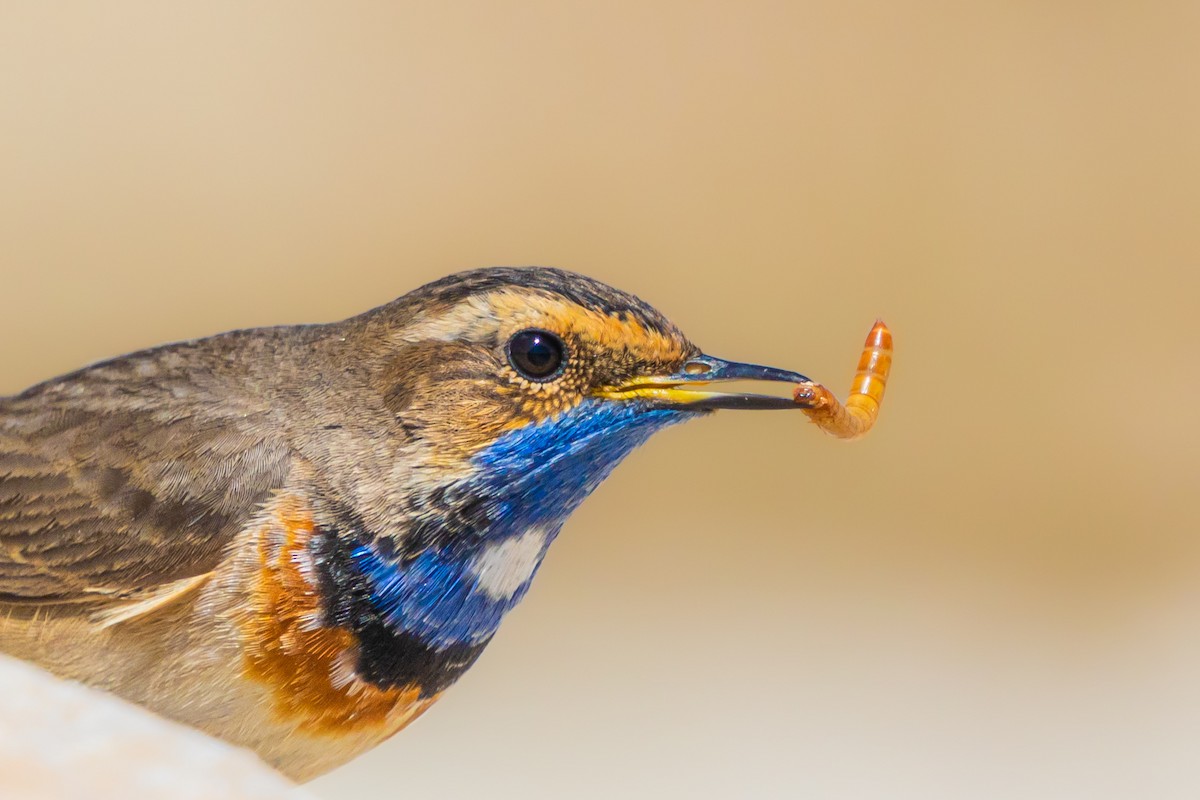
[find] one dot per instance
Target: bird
(297, 538)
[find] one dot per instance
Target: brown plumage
(139, 471)
(222, 529)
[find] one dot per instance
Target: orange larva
(855, 418)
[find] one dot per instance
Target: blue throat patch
(530, 479)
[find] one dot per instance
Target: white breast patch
(503, 568)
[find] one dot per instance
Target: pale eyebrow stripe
(480, 318)
(473, 319)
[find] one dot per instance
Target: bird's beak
(683, 390)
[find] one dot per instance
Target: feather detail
(160, 597)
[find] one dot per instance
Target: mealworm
(855, 418)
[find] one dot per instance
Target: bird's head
(475, 359)
(513, 393)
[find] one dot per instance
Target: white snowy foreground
(63, 740)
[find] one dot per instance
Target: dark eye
(537, 355)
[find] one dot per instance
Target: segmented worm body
(855, 418)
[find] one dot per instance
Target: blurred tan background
(996, 595)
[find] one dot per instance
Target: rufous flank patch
(307, 664)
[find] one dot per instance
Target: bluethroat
(296, 538)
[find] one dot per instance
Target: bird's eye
(537, 355)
